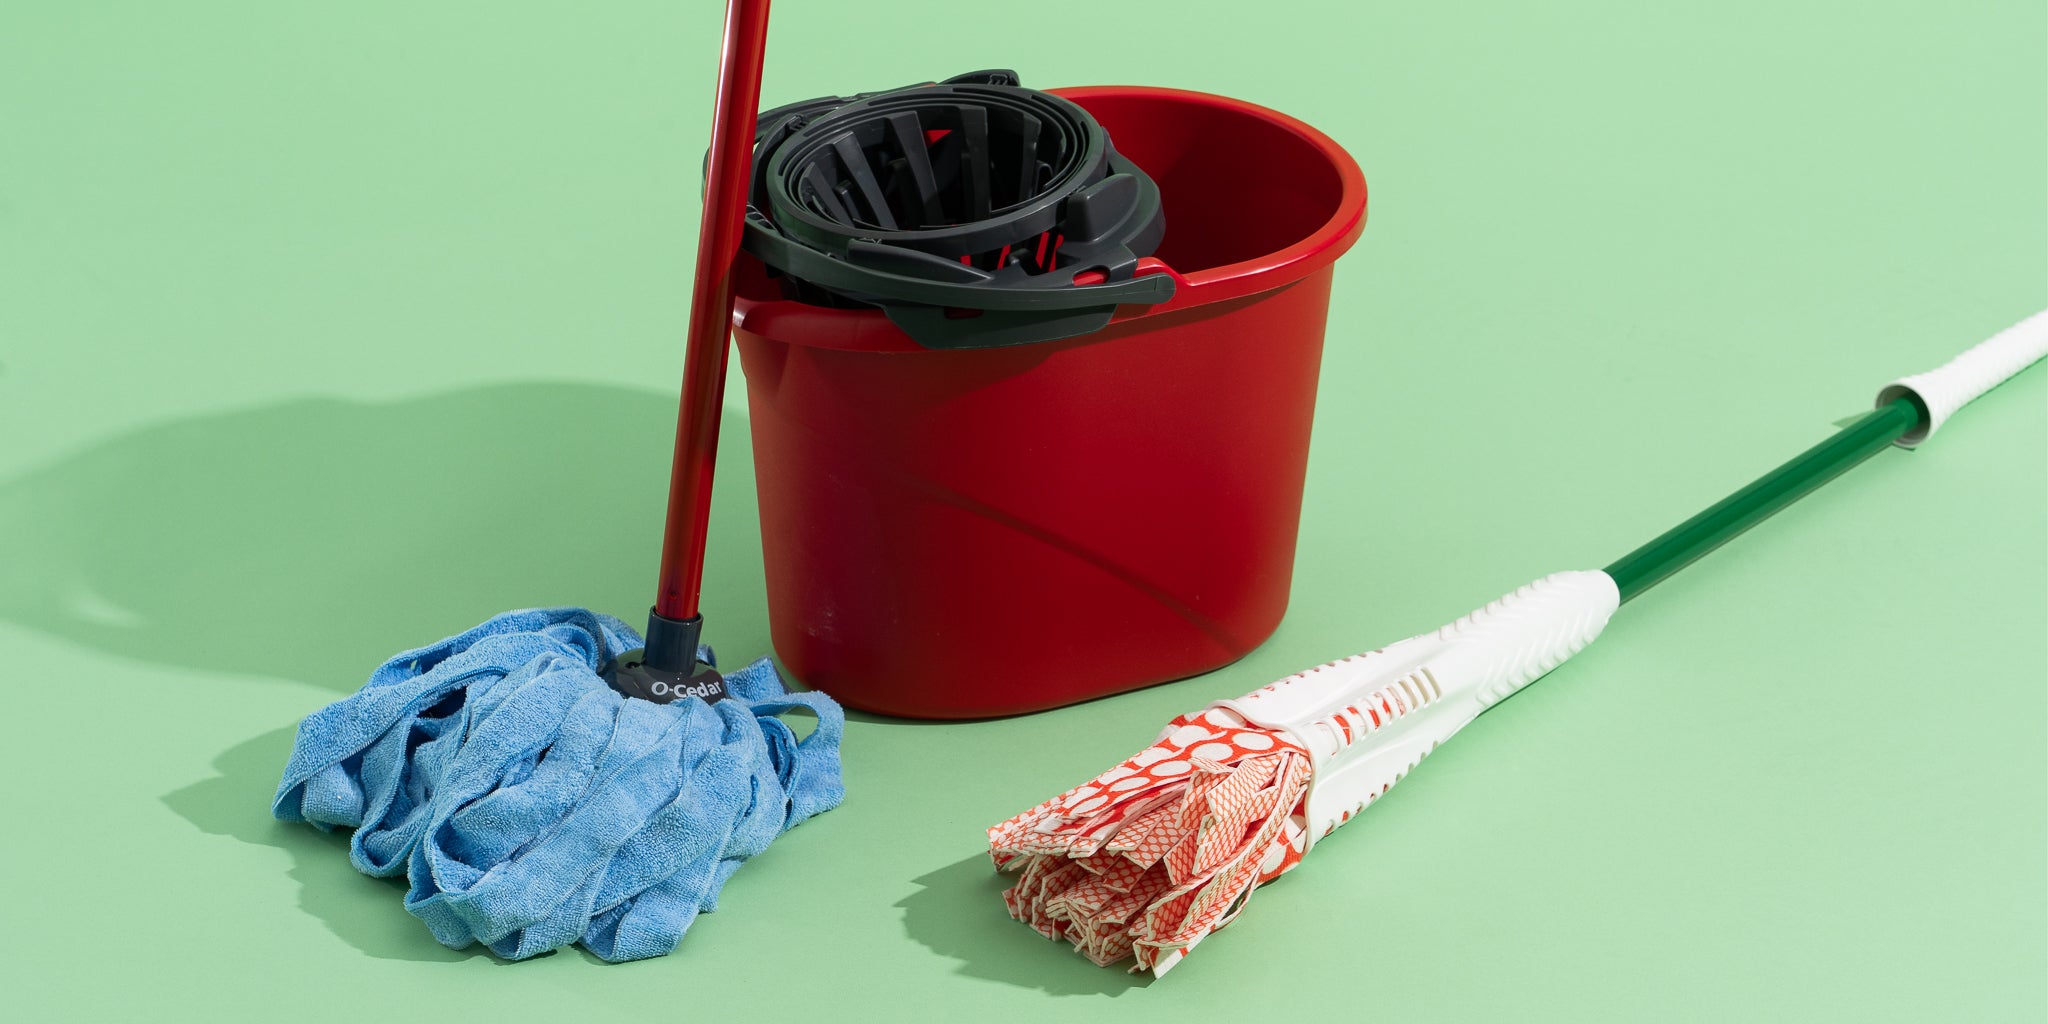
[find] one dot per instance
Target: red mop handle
(729, 171)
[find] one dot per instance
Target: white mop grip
(1961, 380)
(1368, 719)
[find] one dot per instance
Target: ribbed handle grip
(1368, 719)
(1963, 379)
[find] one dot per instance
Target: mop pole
(1646, 566)
(1909, 411)
(674, 623)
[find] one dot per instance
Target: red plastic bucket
(960, 534)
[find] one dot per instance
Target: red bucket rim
(1318, 249)
(870, 330)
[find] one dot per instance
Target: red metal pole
(718, 242)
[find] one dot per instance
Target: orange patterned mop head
(1166, 847)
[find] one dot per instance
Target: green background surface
(328, 330)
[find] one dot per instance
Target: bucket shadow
(312, 540)
(364, 912)
(958, 913)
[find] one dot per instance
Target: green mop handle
(1909, 410)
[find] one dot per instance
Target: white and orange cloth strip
(1157, 852)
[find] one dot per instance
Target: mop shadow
(362, 911)
(958, 913)
(313, 539)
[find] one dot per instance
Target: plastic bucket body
(962, 534)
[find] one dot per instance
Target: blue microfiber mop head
(531, 806)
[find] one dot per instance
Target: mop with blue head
(547, 777)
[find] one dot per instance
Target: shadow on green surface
(958, 913)
(314, 539)
(364, 912)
